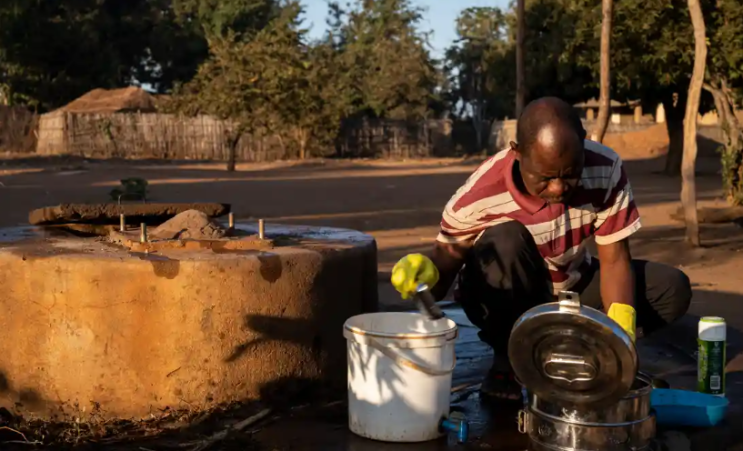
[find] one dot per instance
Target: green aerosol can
(712, 356)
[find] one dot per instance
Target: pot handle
(569, 301)
(522, 419)
(405, 362)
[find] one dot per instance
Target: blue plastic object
(457, 424)
(687, 408)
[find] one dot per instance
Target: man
(515, 234)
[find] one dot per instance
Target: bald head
(550, 149)
(550, 122)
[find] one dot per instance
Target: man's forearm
(449, 259)
(617, 284)
(617, 278)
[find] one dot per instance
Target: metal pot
(628, 425)
(633, 406)
(571, 354)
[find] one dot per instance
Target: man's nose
(557, 187)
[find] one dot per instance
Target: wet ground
(495, 427)
(491, 427)
(324, 425)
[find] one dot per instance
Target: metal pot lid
(572, 354)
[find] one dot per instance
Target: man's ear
(515, 148)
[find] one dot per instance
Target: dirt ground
(399, 203)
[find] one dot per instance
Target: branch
(711, 89)
(221, 435)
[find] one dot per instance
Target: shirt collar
(527, 202)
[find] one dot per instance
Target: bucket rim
(402, 336)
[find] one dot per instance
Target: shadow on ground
(367, 197)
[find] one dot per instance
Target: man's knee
(508, 240)
(679, 294)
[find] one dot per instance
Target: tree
(181, 31)
(605, 97)
(53, 52)
(273, 83)
(242, 80)
(314, 104)
(481, 46)
(175, 48)
(520, 33)
(390, 73)
(688, 189)
(218, 18)
(650, 54)
(724, 64)
(552, 70)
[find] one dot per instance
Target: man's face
(552, 168)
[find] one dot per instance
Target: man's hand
(625, 316)
(412, 270)
(438, 272)
(618, 284)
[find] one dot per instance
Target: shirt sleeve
(618, 218)
(457, 226)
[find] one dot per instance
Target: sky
(438, 18)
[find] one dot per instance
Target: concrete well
(85, 322)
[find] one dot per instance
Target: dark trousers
(504, 276)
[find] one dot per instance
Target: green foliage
(476, 64)
(724, 19)
(220, 17)
(52, 52)
(726, 38)
(732, 173)
(251, 62)
(488, 40)
(273, 83)
(389, 72)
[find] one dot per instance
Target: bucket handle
(405, 362)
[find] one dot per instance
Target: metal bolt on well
(261, 229)
(231, 220)
(143, 233)
(122, 223)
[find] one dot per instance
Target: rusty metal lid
(568, 353)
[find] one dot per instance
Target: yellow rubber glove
(625, 316)
(411, 271)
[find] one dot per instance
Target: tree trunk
(732, 155)
(688, 188)
(232, 156)
(233, 139)
(605, 98)
(477, 103)
(520, 81)
(302, 139)
(675, 110)
(232, 159)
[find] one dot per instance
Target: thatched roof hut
(123, 100)
(594, 104)
(88, 124)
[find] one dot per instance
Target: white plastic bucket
(399, 375)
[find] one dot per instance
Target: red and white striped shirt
(601, 206)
